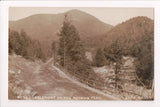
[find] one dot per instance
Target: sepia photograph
(81, 53)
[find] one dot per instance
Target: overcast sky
(111, 16)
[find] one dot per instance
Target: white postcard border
(4, 10)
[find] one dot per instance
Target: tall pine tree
(114, 54)
(99, 58)
(70, 46)
(72, 52)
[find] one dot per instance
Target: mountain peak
(75, 11)
(131, 29)
(78, 13)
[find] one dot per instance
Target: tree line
(21, 44)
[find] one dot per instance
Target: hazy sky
(111, 16)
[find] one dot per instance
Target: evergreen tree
(70, 46)
(72, 52)
(145, 60)
(16, 43)
(114, 54)
(21, 44)
(64, 35)
(99, 58)
(24, 42)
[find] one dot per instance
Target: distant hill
(44, 27)
(126, 33)
(129, 30)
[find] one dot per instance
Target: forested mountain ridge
(49, 24)
(127, 34)
(44, 27)
(130, 29)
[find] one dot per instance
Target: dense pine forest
(21, 44)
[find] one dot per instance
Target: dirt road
(51, 83)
